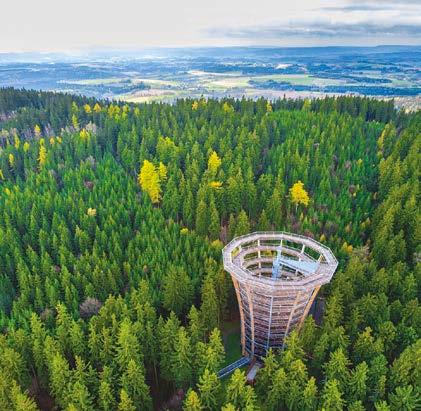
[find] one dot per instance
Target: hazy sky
(52, 25)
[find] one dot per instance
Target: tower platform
(276, 276)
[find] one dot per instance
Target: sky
(60, 25)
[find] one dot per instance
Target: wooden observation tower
(276, 276)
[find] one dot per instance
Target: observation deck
(276, 276)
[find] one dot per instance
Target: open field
(273, 73)
(155, 82)
(93, 82)
(149, 97)
(300, 79)
(227, 83)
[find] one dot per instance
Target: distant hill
(166, 74)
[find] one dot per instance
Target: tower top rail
(322, 274)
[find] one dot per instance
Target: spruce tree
(195, 325)
(209, 388)
(177, 289)
(214, 223)
(192, 401)
(133, 382)
(309, 398)
(125, 403)
(106, 400)
(332, 397)
(202, 219)
(209, 309)
(236, 389)
(182, 359)
(243, 225)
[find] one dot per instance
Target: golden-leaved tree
(213, 163)
(42, 158)
(37, 130)
(298, 194)
(150, 180)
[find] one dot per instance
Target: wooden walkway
(233, 366)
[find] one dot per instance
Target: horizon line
(180, 47)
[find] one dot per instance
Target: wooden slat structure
(270, 307)
(229, 369)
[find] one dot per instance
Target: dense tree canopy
(112, 221)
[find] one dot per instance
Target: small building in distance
(276, 276)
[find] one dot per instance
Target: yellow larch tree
(214, 163)
(228, 108)
(42, 158)
(37, 130)
(87, 109)
(298, 194)
(113, 111)
(347, 248)
(306, 105)
(84, 134)
(149, 181)
(97, 108)
(11, 160)
(25, 146)
(195, 105)
(162, 171)
(91, 212)
(215, 185)
(75, 122)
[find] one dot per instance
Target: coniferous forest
(112, 221)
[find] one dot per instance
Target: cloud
(392, 2)
(321, 29)
(368, 5)
(359, 7)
